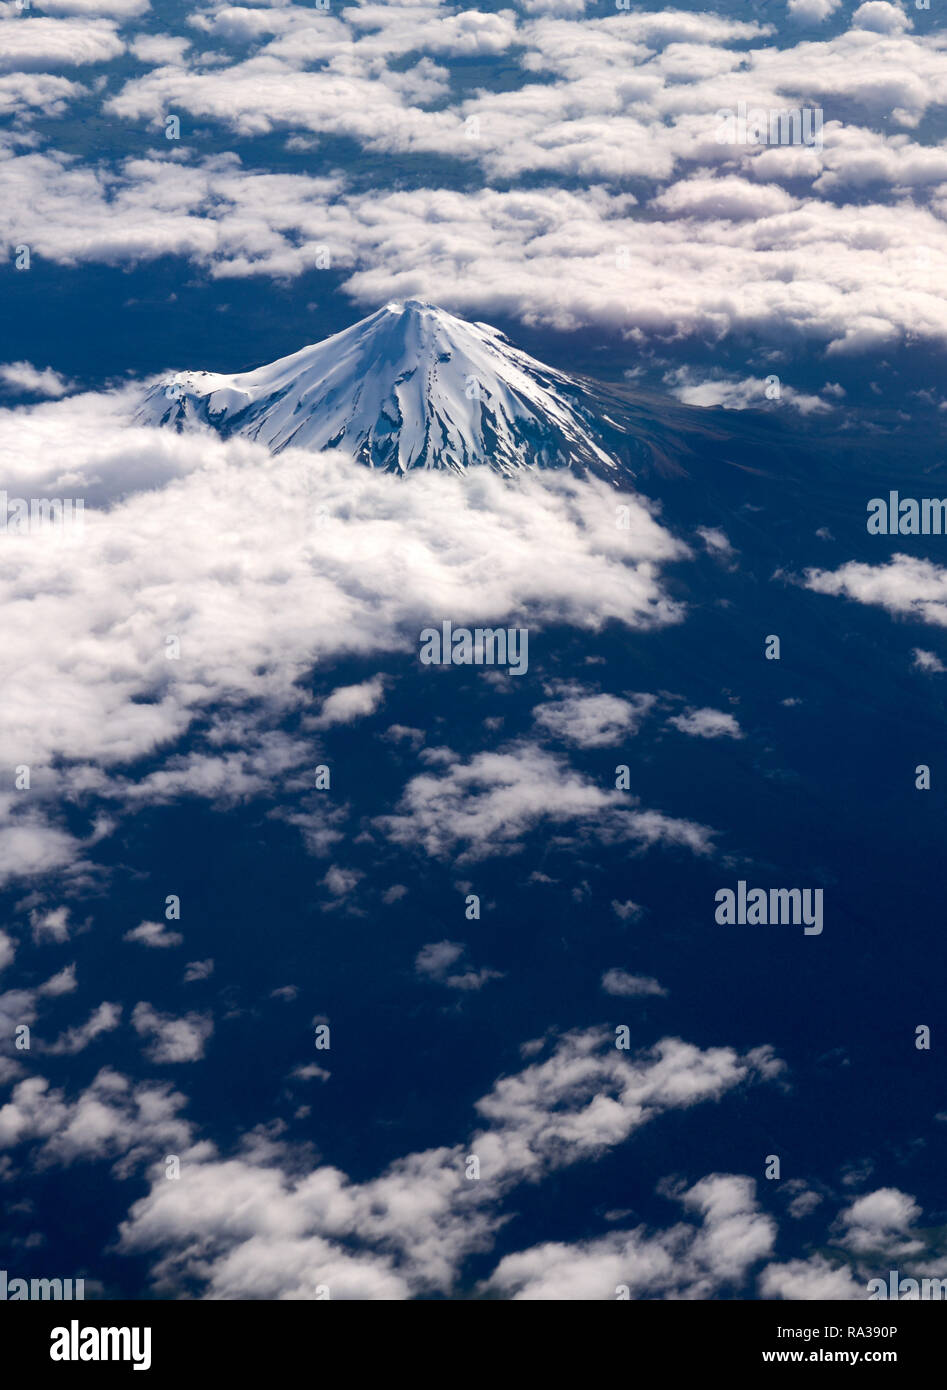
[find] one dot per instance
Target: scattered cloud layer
(257, 1225)
(838, 243)
(148, 630)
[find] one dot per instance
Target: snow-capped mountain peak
(409, 386)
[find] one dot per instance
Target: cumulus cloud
(804, 1202)
(64, 982)
(109, 9)
(159, 48)
(628, 986)
(51, 924)
(685, 1261)
(563, 7)
(812, 11)
(257, 1226)
(24, 94)
(154, 934)
(19, 1007)
(880, 1224)
(350, 702)
(706, 723)
(736, 393)
(180, 1039)
(32, 843)
(906, 585)
(341, 882)
(716, 542)
(198, 970)
(927, 661)
(881, 17)
(627, 911)
(104, 1019)
(875, 1233)
(589, 720)
(487, 805)
(436, 958)
(811, 1279)
(46, 43)
(436, 961)
(112, 1120)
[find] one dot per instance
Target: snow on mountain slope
(410, 386)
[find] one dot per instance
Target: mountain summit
(408, 387)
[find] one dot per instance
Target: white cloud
(752, 238)
(905, 585)
(627, 911)
(858, 161)
(880, 1224)
(811, 1279)
(881, 17)
(23, 1006)
(706, 723)
(154, 934)
(487, 805)
(927, 661)
(257, 1226)
(561, 7)
(735, 393)
(348, 94)
(64, 982)
(567, 262)
(350, 702)
(22, 93)
(716, 541)
(627, 986)
(311, 1072)
(105, 9)
(878, 1231)
(805, 1201)
(685, 1261)
(253, 618)
(39, 43)
(159, 48)
(104, 1019)
(812, 11)
(435, 960)
(589, 720)
(50, 925)
(341, 882)
(112, 1119)
(32, 844)
(728, 197)
(181, 1039)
